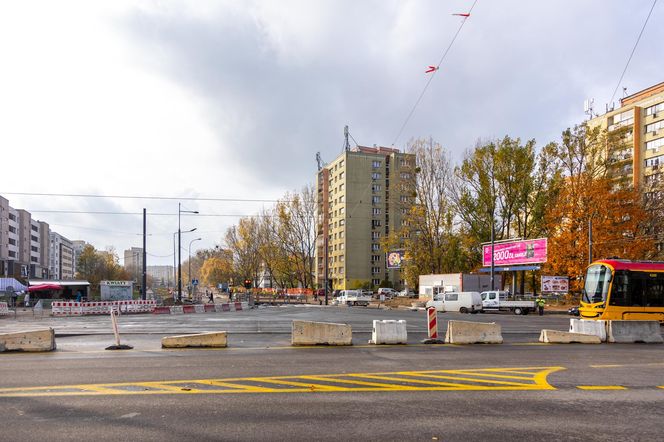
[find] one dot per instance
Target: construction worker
(540, 304)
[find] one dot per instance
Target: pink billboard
(518, 252)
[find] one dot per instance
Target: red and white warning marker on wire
(463, 14)
(431, 69)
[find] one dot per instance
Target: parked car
(407, 294)
(388, 292)
(573, 311)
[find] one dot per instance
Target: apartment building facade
(61, 257)
(640, 157)
(133, 262)
(24, 244)
(362, 197)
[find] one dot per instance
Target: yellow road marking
(601, 387)
(345, 382)
(607, 366)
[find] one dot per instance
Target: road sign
(194, 282)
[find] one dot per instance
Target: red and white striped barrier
(67, 308)
(4, 308)
(432, 320)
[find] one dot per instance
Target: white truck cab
(497, 300)
(462, 302)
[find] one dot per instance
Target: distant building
(162, 276)
(61, 257)
(133, 262)
(78, 246)
(24, 245)
(361, 198)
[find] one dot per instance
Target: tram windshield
(598, 278)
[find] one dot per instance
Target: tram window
(638, 289)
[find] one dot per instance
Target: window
(341, 187)
(341, 234)
(12, 254)
(655, 144)
(12, 217)
(341, 270)
(12, 229)
(654, 127)
(638, 289)
(654, 110)
(655, 161)
(341, 163)
(375, 235)
(34, 259)
(375, 176)
(375, 199)
(12, 241)
(341, 176)
(34, 238)
(375, 223)
(34, 249)
(35, 228)
(375, 164)
(375, 247)
(405, 176)
(403, 198)
(341, 246)
(375, 257)
(342, 211)
(376, 211)
(341, 258)
(342, 199)
(375, 281)
(451, 296)
(375, 270)
(375, 188)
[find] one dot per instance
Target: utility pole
(493, 234)
(326, 275)
(590, 241)
(145, 277)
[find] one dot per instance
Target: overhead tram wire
(144, 197)
(633, 50)
(433, 74)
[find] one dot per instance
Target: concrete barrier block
(389, 332)
(176, 310)
(561, 337)
(199, 340)
(33, 341)
(209, 307)
(199, 308)
(467, 332)
(320, 333)
(589, 327)
(634, 331)
(189, 309)
(162, 311)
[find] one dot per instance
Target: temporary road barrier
(562, 337)
(634, 331)
(589, 327)
(389, 332)
(68, 308)
(36, 340)
(4, 308)
(200, 340)
(321, 333)
(432, 320)
(466, 332)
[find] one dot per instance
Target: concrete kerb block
(467, 332)
(634, 331)
(31, 341)
(389, 332)
(589, 327)
(199, 340)
(562, 337)
(320, 333)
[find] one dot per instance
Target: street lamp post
(190, 278)
(180, 211)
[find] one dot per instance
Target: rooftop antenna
(588, 107)
(320, 161)
(624, 92)
(346, 143)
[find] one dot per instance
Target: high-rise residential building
(61, 257)
(362, 197)
(133, 262)
(640, 157)
(78, 245)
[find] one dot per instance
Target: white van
(462, 302)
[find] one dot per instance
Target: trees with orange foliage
(588, 196)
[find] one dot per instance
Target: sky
(232, 100)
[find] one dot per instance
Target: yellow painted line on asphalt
(601, 387)
(607, 366)
(343, 382)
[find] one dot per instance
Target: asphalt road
(255, 390)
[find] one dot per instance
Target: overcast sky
(232, 99)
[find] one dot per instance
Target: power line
(431, 77)
(633, 50)
(145, 197)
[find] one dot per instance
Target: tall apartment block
(61, 257)
(362, 197)
(640, 158)
(133, 262)
(24, 244)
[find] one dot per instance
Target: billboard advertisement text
(530, 251)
